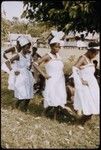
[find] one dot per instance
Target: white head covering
(55, 40)
(57, 37)
(97, 47)
(54, 32)
(23, 40)
(62, 43)
(94, 47)
(57, 34)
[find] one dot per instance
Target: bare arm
(43, 59)
(40, 61)
(8, 62)
(79, 62)
(12, 49)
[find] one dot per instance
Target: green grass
(6, 95)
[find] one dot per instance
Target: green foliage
(67, 15)
(15, 26)
(36, 29)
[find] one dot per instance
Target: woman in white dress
(86, 98)
(55, 90)
(23, 86)
(12, 51)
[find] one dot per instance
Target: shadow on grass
(66, 117)
(36, 108)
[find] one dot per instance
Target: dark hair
(93, 44)
(93, 50)
(18, 43)
(34, 49)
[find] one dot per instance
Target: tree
(65, 15)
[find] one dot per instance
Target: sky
(12, 9)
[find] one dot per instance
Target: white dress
(12, 77)
(86, 98)
(55, 90)
(23, 88)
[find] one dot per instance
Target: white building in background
(70, 40)
(95, 37)
(89, 36)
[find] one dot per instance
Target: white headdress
(23, 40)
(94, 47)
(62, 43)
(57, 34)
(54, 32)
(57, 38)
(60, 34)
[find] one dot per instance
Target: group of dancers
(22, 66)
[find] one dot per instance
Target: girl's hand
(81, 67)
(84, 82)
(17, 73)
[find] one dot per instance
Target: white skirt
(24, 85)
(55, 92)
(86, 98)
(11, 80)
